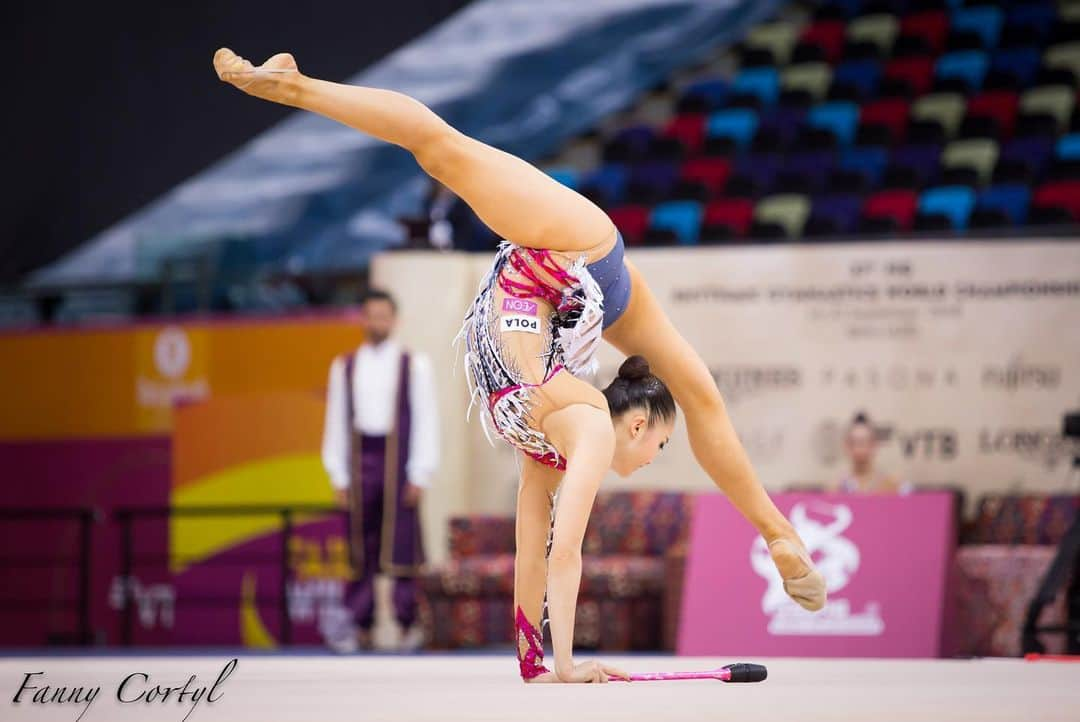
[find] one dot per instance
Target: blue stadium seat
(954, 202)
(762, 82)
(870, 161)
(863, 75)
(682, 217)
(610, 179)
(1010, 198)
(1034, 15)
(1068, 147)
(985, 20)
(740, 124)
(567, 176)
(1023, 62)
(840, 117)
(714, 90)
(969, 65)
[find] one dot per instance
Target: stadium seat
(840, 211)
(879, 28)
(945, 108)
(953, 202)
(713, 90)
(980, 154)
(985, 20)
(631, 222)
(713, 172)
(788, 210)
(1064, 55)
(931, 25)
(812, 78)
(739, 124)
(682, 217)
(896, 205)
(733, 213)
(567, 176)
(868, 161)
(1068, 147)
(863, 75)
(761, 169)
(891, 113)
(688, 129)
(610, 180)
(1038, 16)
(652, 181)
(840, 118)
(778, 38)
(968, 65)
(1034, 152)
(1054, 100)
(1011, 199)
(922, 159)
(784, 121)
(917, 72)
(1023, 63)
(1000, 105)
(762, 83)
(828, 35)
(1059, 194)
(812, 167)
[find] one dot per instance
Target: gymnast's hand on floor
(275, 80)
(592, 672)
(802, 581)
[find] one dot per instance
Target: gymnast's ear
(639, 422)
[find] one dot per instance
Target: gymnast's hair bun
(634, 368)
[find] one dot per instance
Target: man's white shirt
(375, 385)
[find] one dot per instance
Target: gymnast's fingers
(616, 672)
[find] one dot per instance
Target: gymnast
(558, 285)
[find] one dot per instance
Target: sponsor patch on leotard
(520, 305)
(519, 322)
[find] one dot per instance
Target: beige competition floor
(447, 688)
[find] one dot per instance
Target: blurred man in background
(381, 448)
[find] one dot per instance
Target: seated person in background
(860, 447)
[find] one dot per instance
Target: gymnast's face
(636, 442)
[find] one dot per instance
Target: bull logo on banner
(837, 558)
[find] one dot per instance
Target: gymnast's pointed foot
(276, 80)
(802, 581)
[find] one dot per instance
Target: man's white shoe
(412, 639)
(344, 644)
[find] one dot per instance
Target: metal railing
(85, 517)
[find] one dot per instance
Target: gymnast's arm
(589, 444)
(514, 198)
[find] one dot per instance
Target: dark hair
(862, 419)
(636, 388)
(377, 294)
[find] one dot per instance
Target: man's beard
(377, 338)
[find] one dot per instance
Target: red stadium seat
(899, 205)
(917, 72)
(889, 112)
(712, 172)
(631, 222)
(735, 213)
(932, 26)
(827, 35)
(1060, 194)
(997, 104)
(688, 129)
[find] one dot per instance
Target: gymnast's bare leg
(527, 207)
